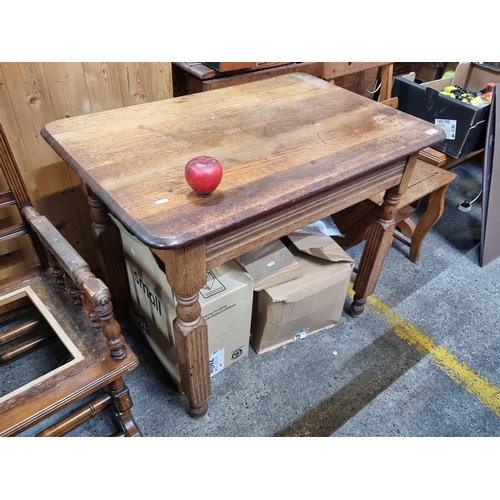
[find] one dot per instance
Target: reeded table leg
(111, 255)
(186, 274)
(378, 241)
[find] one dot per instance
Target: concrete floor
(421, 361)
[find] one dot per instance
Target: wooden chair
(58, 306)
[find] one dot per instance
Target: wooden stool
(427, 180)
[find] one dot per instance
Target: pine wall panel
(33, 94)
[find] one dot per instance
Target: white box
(226, 304)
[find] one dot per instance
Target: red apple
(203, 174)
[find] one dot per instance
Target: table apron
(278, 223)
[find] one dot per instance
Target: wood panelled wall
(34, 94)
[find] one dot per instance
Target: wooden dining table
(294, 149)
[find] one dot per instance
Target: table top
(279, 141)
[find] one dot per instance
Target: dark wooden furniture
(226, 67)
(361, 78)
(427, 181)
(193, 77)
(294, 149)
(337, 72)
(61, 305)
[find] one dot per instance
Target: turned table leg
(186, 273)
(377, 244)
(378, 241)
(111, 255)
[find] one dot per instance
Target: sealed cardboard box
(226, 305)
(314, 301)
(270, 265)
(464, 124)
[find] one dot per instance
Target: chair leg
(122, 404)
(432, 214)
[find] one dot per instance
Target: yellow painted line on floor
(482, 389)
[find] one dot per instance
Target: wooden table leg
(432, 214)
(111, 255)
(186, 273)
(378, 241)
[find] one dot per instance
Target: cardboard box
(318, 245)
(270, 265)
(298, 308)
(464, 124)
(226, 304)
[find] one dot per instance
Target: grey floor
(421, 361)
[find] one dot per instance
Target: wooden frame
(58, 331)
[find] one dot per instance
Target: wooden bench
(427, 181)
